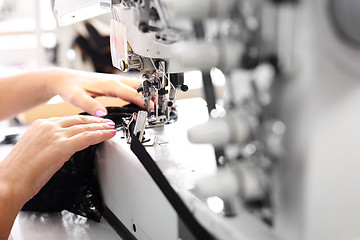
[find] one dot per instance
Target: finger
(77, 129)
(79, 119)
(88, 104)
(134, 83)
(126, 93)
(85, 139)
(123, 88)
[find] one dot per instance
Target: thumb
(88, 104)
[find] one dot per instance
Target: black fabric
(75, 186)
(96, 48)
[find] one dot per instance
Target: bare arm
(24, 91)
(21, 92)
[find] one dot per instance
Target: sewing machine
(277, 156)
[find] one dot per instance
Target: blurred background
(30, 38)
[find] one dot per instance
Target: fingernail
(112, 131)
(100, 113)
(111, 124)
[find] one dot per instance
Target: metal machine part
(140, 125)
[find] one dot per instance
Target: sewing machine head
(137, 45)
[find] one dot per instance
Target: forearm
(23, 91)
(8, 210)
(16, 188)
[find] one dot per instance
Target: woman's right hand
(45, 147)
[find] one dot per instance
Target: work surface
(181, 162)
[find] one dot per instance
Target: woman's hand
(81, 88)
(41, 151)
(45, 147)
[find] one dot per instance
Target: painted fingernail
(112, 131)
(111, 124)
(100, 113)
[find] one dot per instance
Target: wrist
(8, 198)
(9, 208)
(13, 191)
(50, 76)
